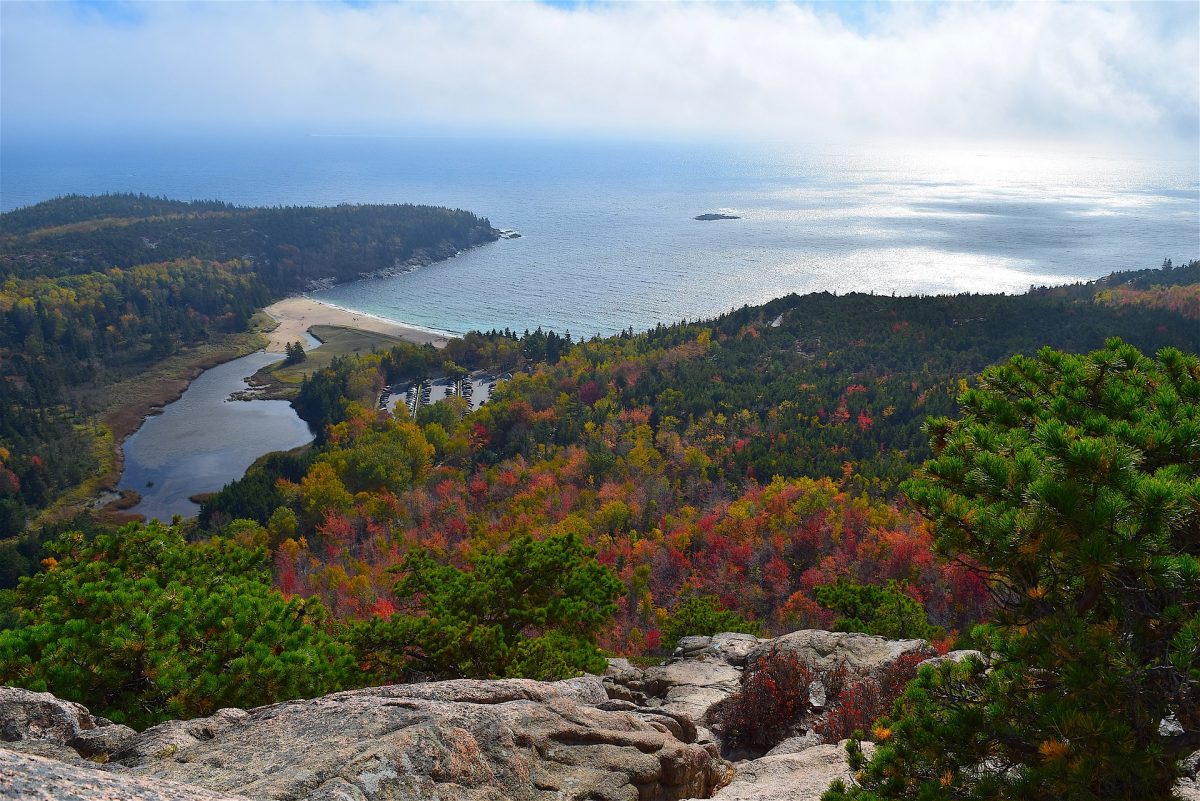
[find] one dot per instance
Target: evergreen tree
(884, 611)
(141, 626)
(294, 353)
(532, 610)
(703, 615)
(1074, 483)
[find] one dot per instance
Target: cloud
(1124, 74)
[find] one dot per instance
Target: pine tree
(703, 615)
(1074, 483)
(531, 611)
(885, 611)
(141, 626)
(294, 353)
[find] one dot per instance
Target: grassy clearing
(336, 341)
(79, 497)
(128, 401)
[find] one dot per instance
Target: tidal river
(204, 440)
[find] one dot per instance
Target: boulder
(468, 740)
(47, 749)
(102, 741)
(691, 646)
(1191, 766)
(34, 778)
(702, 672)
(42, 724)
(953, 656)
(733, 647)
(729, 647)
(1188, 786)
(802, 776)
(794, 745)
(26, 715)
(691, 687)
(623, 681)
(167, 739)
(862, 654)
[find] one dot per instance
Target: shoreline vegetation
(144, 396)
(137, 399)
(111, 305)
(131, 402)
(338, 335)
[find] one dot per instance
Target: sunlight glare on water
(608, 236)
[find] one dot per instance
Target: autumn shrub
(865, 700)
(775, 697)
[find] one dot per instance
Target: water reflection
(204, 440)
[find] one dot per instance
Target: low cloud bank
(1117, 74)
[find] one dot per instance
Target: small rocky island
(710, 216)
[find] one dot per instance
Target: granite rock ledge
(632, 735)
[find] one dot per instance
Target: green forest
(1014, 473)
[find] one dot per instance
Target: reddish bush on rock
(867, 699)
(774, 699)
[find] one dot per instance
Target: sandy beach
(296, 315)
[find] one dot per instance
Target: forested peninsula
(1011, 478)
(109, 304)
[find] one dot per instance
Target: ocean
(608, 235)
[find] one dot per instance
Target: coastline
(131, 401)
(297, 314)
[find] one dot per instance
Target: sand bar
(296, 315)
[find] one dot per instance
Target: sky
(1123, 76)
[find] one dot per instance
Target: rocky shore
(424, 257)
